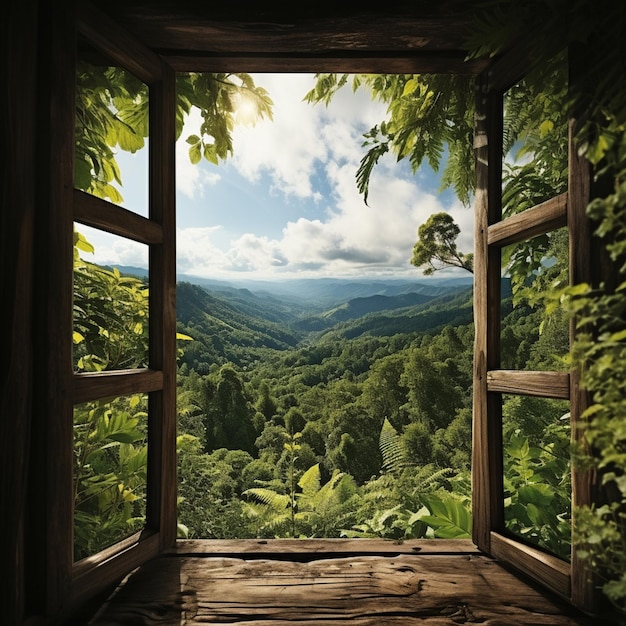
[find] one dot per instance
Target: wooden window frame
(569, 580)
(68, 584)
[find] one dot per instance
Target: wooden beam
(347, 62)
(95, 385)
(333, 548)
(530, 383)
(118, 45)
(487, 490)
(162, 509)
(97, 213)
(540, 219)
(545, 568)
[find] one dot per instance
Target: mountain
(358, 307)
(322, 294)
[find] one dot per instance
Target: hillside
(244, 327)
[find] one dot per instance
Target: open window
(561, 218)
(62, 390)
(99, 403)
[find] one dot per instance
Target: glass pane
(533, 271)
(110, 455)
(111, 159)
(110, 302)
(535, 137)
(537, 479)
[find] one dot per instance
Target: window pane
(110, 455)
(111, 132)
(532, 270)
(110, 302)
(537, 481)
(535, 137)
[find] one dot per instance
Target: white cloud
(112, 250)
(196, 253)
(342, 235)
(191, 180)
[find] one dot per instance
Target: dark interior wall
(19, 38)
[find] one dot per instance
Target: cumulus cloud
(311, 153)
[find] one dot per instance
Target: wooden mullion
(538, 220)
(97, 213)
(487, 489)
(113, 41)
(584, 491)
(162, 476)
(93, 386)
(530, 383)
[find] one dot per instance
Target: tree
(436, 249)
(429, 117)
(229, 412)
(112, 108)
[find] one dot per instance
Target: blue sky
(286, 204)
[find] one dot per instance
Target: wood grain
(530, 383)
(359, 590)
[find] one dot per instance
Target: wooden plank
(545, 568)
(113, 41)
(107, 568)
(364, 590)
(538, 220)
(261, 28)
(530, 383)
(97, 213)
(90, 386)
(346, 63)
(487, 427)
(275, 548)
(161, 510)
(584, 489)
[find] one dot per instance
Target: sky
(286, 204)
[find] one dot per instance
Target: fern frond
(310, 481)
(391, 449)
(269, 498)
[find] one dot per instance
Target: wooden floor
(330, 582)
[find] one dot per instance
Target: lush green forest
(361, 428)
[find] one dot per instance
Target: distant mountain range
(327, 294)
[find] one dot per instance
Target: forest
(359, 429)
(355, 420)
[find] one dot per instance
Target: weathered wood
(161, 512)
(404, 62)
(487, 429)
(92, 386)
(538, 220)
(584, 489)
(364, 590)
(530, 383)
(318, 27)
(98, 213)
(106, 569)
(316, 547)
(551, 571)
(53, 382)
(108, 37)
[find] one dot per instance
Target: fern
(391, 448)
